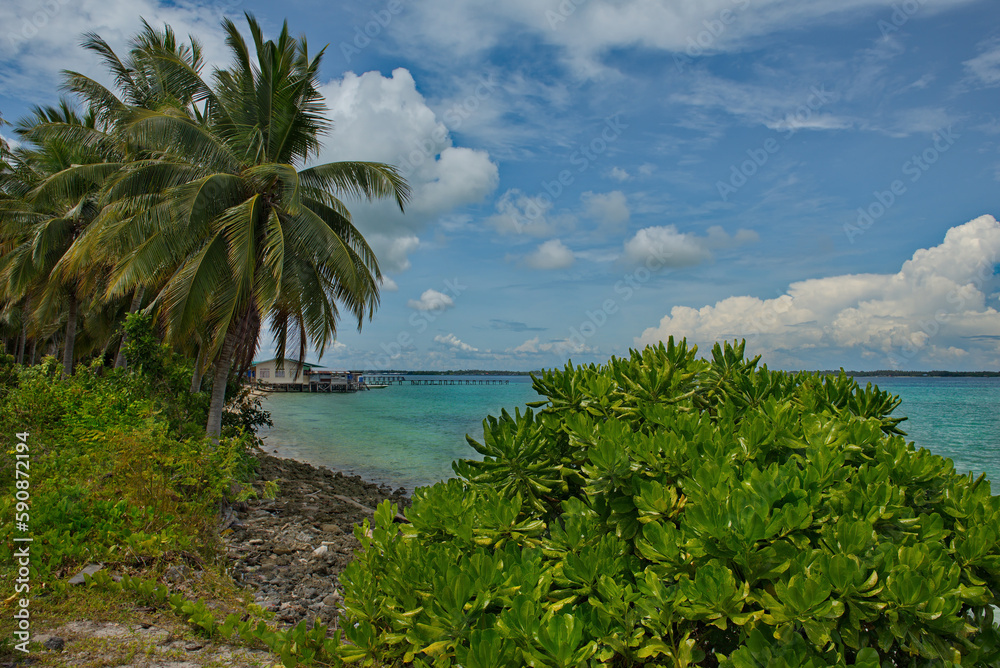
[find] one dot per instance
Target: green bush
(119, 471)
(8, 374)
(674, 511)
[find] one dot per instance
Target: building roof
(305, 365)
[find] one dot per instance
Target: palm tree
(52, 197)
(143, 80)
(228, 217)
(5, 168)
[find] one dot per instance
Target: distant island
(460, 372)
(939, 374)
(860, 374)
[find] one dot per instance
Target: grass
(120, 474)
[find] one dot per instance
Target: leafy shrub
(669, 510)
(118, 469)
(8, 374)
(244, 412)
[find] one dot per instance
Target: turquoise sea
(407, 436)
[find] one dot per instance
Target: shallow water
(401, 435)
(408, 436)
(958, 418)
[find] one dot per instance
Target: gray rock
(320, 551)
(55, 643)
(89, 569)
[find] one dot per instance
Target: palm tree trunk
(20, 343)
(34, 350)
(136, 303)
(199, 370)
(70, 336)
(214, 427)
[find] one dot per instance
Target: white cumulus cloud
(431, 300)
(393, 251)
(385, 119)
(938, 310)
(552, 254)
(677, 249)
(454, 342)
(610, 209)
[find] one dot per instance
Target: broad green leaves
(666, 510)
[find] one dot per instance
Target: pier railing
(342, 384)
(450, 381)
(383, 380)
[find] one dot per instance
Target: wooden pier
(359, 382)
(440, 381)
(311, 386)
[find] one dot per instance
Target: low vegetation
(669, 510)
(120, 472)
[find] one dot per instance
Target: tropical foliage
(188, 196)
(669, 510)
(120, 467)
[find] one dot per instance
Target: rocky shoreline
(289, 551)
(292, 549)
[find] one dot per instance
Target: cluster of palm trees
(187, 197)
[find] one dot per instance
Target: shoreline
(292, 549)
(278, 451)
(271, 449)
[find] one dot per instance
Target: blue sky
(593, 175)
